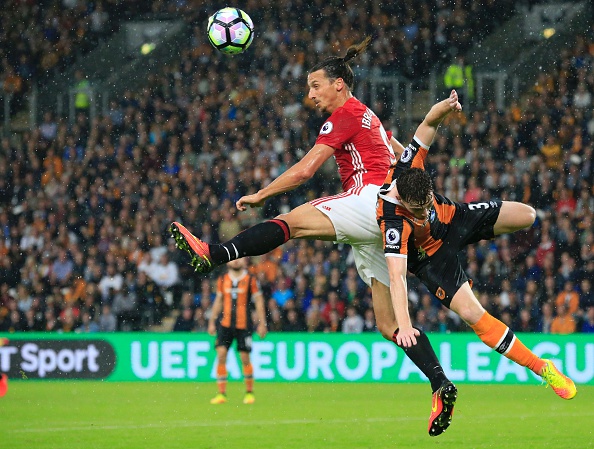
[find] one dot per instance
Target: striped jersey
(237, 295)
(405, 235)
(362, 147)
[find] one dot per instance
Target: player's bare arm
(397, 148)
(262, 328)
(407, 334)
(428, 128)
(217, 308)
(298, 174)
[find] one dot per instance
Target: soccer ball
(230, 30)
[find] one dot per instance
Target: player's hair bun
(355, 50)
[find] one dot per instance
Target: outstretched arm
(299, 173)
(428, 128)
(397, 148)
(407, 334)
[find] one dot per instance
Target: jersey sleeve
(254, 286)
(220, 284)
(396, 233)
(413, 156)
(338, 129)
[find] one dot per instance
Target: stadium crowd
(84, 208)
(40, 39)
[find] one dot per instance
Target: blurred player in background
(424, 232)
(236, 291)
(363, 150)
(3, 377)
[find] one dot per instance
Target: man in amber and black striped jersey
(237, 290)
(424, 232)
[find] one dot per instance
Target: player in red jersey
(3, 377)
(424, 232)
(363, 151)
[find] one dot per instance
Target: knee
(386, 328)
(292, 221)
(470, 312)
(530, 216)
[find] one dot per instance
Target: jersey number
(478, 206)
(384, 135)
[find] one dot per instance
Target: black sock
(424, 357)
(254, 241)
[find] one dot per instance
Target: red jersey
(361, 145)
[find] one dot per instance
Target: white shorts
(353, 215)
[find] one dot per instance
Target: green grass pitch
(61, 414)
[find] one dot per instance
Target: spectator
(69, 319)
(184, 321)
(445, 324)
(275, 323)
(50, 323)
(32, 322)
(87, 326)
(333, 324)
(314, 320)
(125, 305)
(588, 325)
(61, 269)
(369, 324)
(48, 128)
(112, 280)
(353, 323)
(282, 293)
(98, 22)
(200, 321)
(563, 323)
(524, 322)
(334, 304)
(150, 300)
(546, 319)
(164, 273)
(292, 322)
(586, 294)
(568, 298)
(82, 93)
(206, 294)
(551, 151)
(13, 87)
(107, 320)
